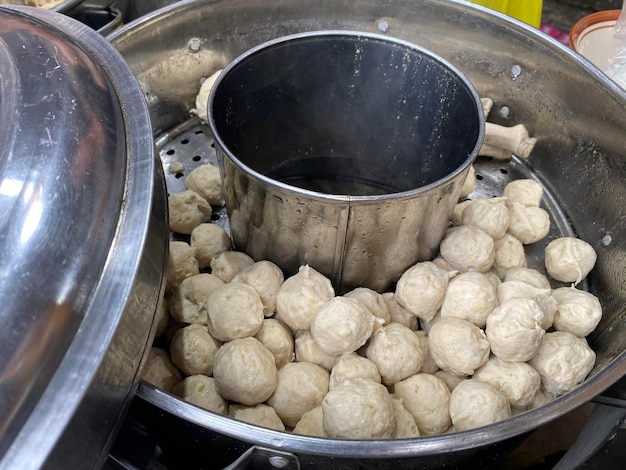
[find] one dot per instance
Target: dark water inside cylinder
(335, 175)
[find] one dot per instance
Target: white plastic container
(593, 36)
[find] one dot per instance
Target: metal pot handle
(606, 422)
(595, 434)
(261, 458)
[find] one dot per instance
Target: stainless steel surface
(103, 16)
(575, 112)
(320, 163)
(60, 7)
(81, 203)
(140, 8)
(65, 5)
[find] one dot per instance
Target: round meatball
(474, 404)
(509, 254)
(470, 296)
(514, 329)
(563, 361)
(524, 191)
(517, 289)
(188, 302)
(374, 302)
(489, 215)
(200, 390)
(405, 423)
(311, 423)
(518, 381)
(300, 388)
(353, 367)
(181, 264)
(228, 263)
(456, 218)
(208, 241)
(493, 278)
(261, 415)
(359, 410)
(577, 311)
(528, 275)
(193, 350)
(277, 337)
(307, 350)
(421, 289)
(265, 278)
(449, 379)
(202, 98)
(429, 366)
(397, 313)
(245, 371)
(468, 248)
(396, 351)
(342, 325)
(541, 398)
(528, 224)
(458, 346)
(427, 398)
(301, 296)
(160, 371)
(234, 311)
(445, 266)
(187, 210)
(207, 182)
(569, 259)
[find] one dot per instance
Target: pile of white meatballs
(466, 340)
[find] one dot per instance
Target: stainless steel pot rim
(421, 446)
(377, 199)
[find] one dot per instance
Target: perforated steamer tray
(183, 149)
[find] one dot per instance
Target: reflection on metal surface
(77, 179)
(345, 151)
(63, 180)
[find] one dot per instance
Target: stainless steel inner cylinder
(343, 150)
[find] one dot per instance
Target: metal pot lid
(76, 194)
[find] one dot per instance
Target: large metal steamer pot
(83, 240)
(577, 115)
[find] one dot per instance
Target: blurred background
(562, 14)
